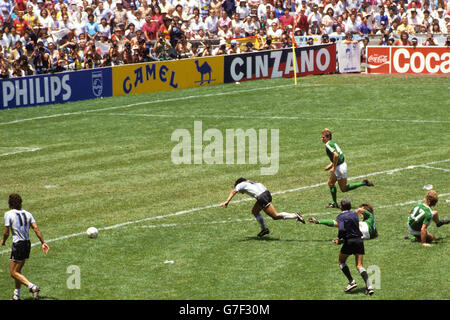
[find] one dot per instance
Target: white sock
(17, 292)
(31, 285)
(286, 215)
(261, 221)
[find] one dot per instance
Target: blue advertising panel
(55, 88)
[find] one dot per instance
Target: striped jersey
(252, 188)
(19, 222)
(332, 147)
(420, 214)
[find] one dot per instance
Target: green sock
(333, 191)
(355, 185)
(327, 222)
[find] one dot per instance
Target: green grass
(113, 165)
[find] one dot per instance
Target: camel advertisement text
(167, 75)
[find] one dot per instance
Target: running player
(366, 226)
(263, 202)
(420, 218)
(19, 222)
(338, 169)
(351, 237)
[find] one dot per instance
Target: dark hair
(367, 207)
(346, 204)
(239, 181)
(15, 201)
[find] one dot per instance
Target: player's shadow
(41, 298)
(357, 291)
(284, 240)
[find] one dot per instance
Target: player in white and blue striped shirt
(19, 222)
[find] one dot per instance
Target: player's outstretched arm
(232, 193)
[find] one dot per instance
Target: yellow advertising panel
(167, 75)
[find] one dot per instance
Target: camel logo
(204, 70)
(97, 83)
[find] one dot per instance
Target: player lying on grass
(420, 217)
(350, 236)
(338, 169)
(263, 202)
(366, 226)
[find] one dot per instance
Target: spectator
(150, 28)
(279, 10)
(404, 40)
(287, 20)
(229, 6)
(272, 19)
(274, 31)
(234, 47)
(211, 25)
(92, 29)
(20, 24)
(162, 48)
(120, 15)
(243, 10)
(328, 21)
(301, 22)
(196, 24)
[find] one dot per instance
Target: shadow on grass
(42, 298)
(285, 240)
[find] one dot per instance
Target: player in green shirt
(366, 226)
(338, 169)
(420, 217)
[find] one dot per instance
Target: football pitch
(112, 163)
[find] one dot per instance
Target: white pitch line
(234, 202)
(150, 115)
(442, 169)
(148, 102)
(21, 150)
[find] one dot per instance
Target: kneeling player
(366, 226)
(420, 218)
(263, 202)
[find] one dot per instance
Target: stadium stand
(38, 36)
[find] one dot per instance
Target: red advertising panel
(408, 60)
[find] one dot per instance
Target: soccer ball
(92, 232)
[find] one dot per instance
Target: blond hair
(327, 133)
(432, 198)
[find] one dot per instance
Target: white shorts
(414, 232)
(341, 171)
(364, 228)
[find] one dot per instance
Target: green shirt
(370, 220)
(420, 214)
(332, 147)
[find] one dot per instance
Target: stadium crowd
(42, 36)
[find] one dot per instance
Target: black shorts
(353, 246)
(264, 199)
(20, 250)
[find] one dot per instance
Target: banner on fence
(349, 57)
(408, 60)
(280, 63)
(56, 88)
(167, 75)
